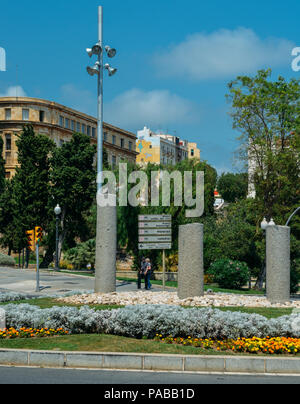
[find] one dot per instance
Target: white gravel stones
(209, 300)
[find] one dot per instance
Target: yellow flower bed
(23, 332)
(246, 345)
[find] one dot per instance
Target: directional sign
(155, 225)
(155, 246)
(156, 232)
(155, 239)
(148, 218)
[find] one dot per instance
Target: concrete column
(278, 264)
(2, 319)
(190, 261)
(106, 249)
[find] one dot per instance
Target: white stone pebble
(209, 300)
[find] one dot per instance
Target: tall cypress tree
(2, 168)
(31, 183)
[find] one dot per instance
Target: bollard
(278, 264)
(190, 261)
(106, 249)
(2, 319)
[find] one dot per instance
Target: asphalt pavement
(24, 281)
(18, 375)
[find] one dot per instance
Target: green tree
(26, 196)
(267, 113)
(73, 187)
(2, 168)
(233, 187)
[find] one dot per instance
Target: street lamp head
(272, 223)
(111, 70)
(95, 50)
(111, 52)
(264, 224)
(57, 210)
(93, 70)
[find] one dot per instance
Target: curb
(150, 362)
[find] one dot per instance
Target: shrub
(82, 255)
(148, 320)
(230, 274)
(6, 260)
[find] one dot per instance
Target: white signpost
(155, 233)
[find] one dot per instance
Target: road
(18, 375)
(24, 281)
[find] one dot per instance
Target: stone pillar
(190, 261)
(2, 319)
(106, 249)
(278, 264)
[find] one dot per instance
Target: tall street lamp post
(264, 224)
(57, 212)
(106, 233)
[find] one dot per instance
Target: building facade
(161, 148)
(58, 123)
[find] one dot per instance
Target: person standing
(148, 270)
(141, 273)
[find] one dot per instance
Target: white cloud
(222, 54)
(14, 91)
(135, 108)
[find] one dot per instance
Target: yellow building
(193, 151)
(59, 123)
(159, 148)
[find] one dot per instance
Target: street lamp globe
(264, 224)
(57, 210)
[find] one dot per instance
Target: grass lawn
(45, 303)
(108, 343)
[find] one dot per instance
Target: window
(93, 132)
(73, 125)
(89, 131)
(192, 152)
(114, 161)
(122, 143)
(7, 114)
(78, 127)
(67, 123)
(8, 142)
(130, 145)
(105, 136)
(113, 139)
(7, 175)
(61, 121)
(25, 114)
(83, 128)
(42, 116)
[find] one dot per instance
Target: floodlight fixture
(111, 70)
(94, 70)
(111, 52)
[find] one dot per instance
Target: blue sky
(174, 60)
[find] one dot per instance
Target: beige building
(58, 122)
